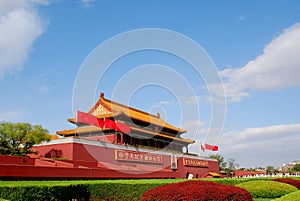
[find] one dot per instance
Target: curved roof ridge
(113, 106)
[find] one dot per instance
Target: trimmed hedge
(120, 190)
(42, 193)
(234, 181)
(292, 182)
(290, 197)
(196, 190)
(267, 189)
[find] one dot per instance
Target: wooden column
(122, 138)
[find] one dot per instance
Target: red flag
(122, 127)
(211, 147)
(87, 118)
(202, 148)
(106, 123)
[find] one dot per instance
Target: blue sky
(255, 46)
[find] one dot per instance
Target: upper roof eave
(133, 113)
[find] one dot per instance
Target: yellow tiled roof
(214, 174)
(162, 135)
(88, 129)
(78, 130)
(133, 113)
(53, 137)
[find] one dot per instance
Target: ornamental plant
(290, 181)
(290, 197)
(267, 189)
(196, 190)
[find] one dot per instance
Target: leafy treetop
(221, 161)
(17, 139)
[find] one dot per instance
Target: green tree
(297, 168)
(271, 170)
(17, 139)
(221, 161)
(232, 166)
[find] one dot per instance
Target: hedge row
(81, 190)
(98, 189)
(290, 181)
(43, 193)
(235, 181)
(267, 189)
(196, 190)
(290, 197)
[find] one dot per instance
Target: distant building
(290, 166)
(245, 173)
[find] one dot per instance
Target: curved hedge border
(290, 197)
(267, 189)
(196, 190)
(234, 181)
(293, 182)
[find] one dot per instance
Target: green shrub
(44, 192)
(67, 190)
(119, 191)
(233, 181)
(297, 178)
(267, 189)
(290, 197)
(123, 190)
(93, 189)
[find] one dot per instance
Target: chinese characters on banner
(138, 157)
(195, 162)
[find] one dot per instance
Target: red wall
(92, 156)
(55, 151)
(16, 160)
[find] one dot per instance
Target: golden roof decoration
(79, 130)
(112, 108)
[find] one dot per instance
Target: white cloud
(241, 18)
(187, 100)
(11, 115)
(43, 88)
(271, 145)
(20, 26)
(277, 67)
(192, 125)
(163, 102)
(87, 3)
(262, 133)
(193, 128)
